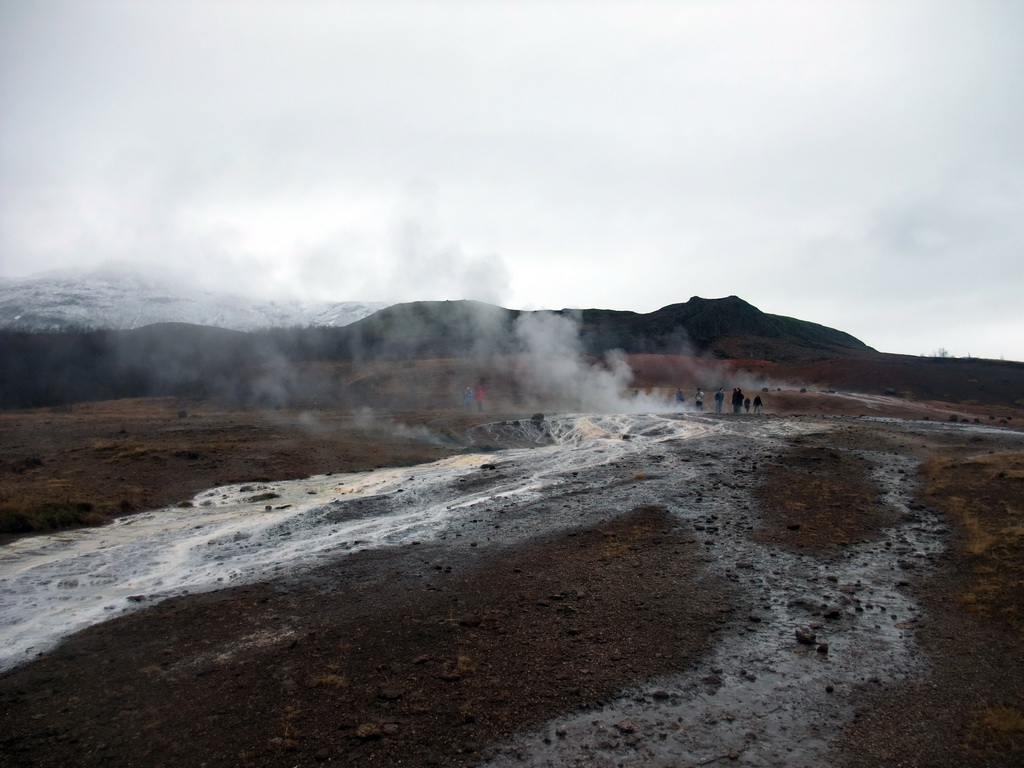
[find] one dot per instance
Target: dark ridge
(699, 326)
(727, 328)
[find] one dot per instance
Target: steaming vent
(562, 430)
(519, 433)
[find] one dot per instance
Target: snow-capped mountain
(116, 298)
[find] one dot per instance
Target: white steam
(554, 367)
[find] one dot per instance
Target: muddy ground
(426, 655)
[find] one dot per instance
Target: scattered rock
(805, 636)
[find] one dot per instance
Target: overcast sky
(858, 164)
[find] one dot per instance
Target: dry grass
(817, 496)
(464, 665)
(333, 680)
(979, 540)
(997, 731)
(48, 516)
(985, 496)
(86, 465)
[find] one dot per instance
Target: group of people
(739, 401)
(471, 396)
(698, 398)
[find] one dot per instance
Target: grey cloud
(815, 158)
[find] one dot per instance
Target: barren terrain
(835, 582)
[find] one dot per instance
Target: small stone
(805, 636)
(822, 648)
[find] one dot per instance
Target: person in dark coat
(737, 400)
(719, 399)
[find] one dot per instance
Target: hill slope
(723, 328)
(429, 348)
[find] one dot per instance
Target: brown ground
(408, 658)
